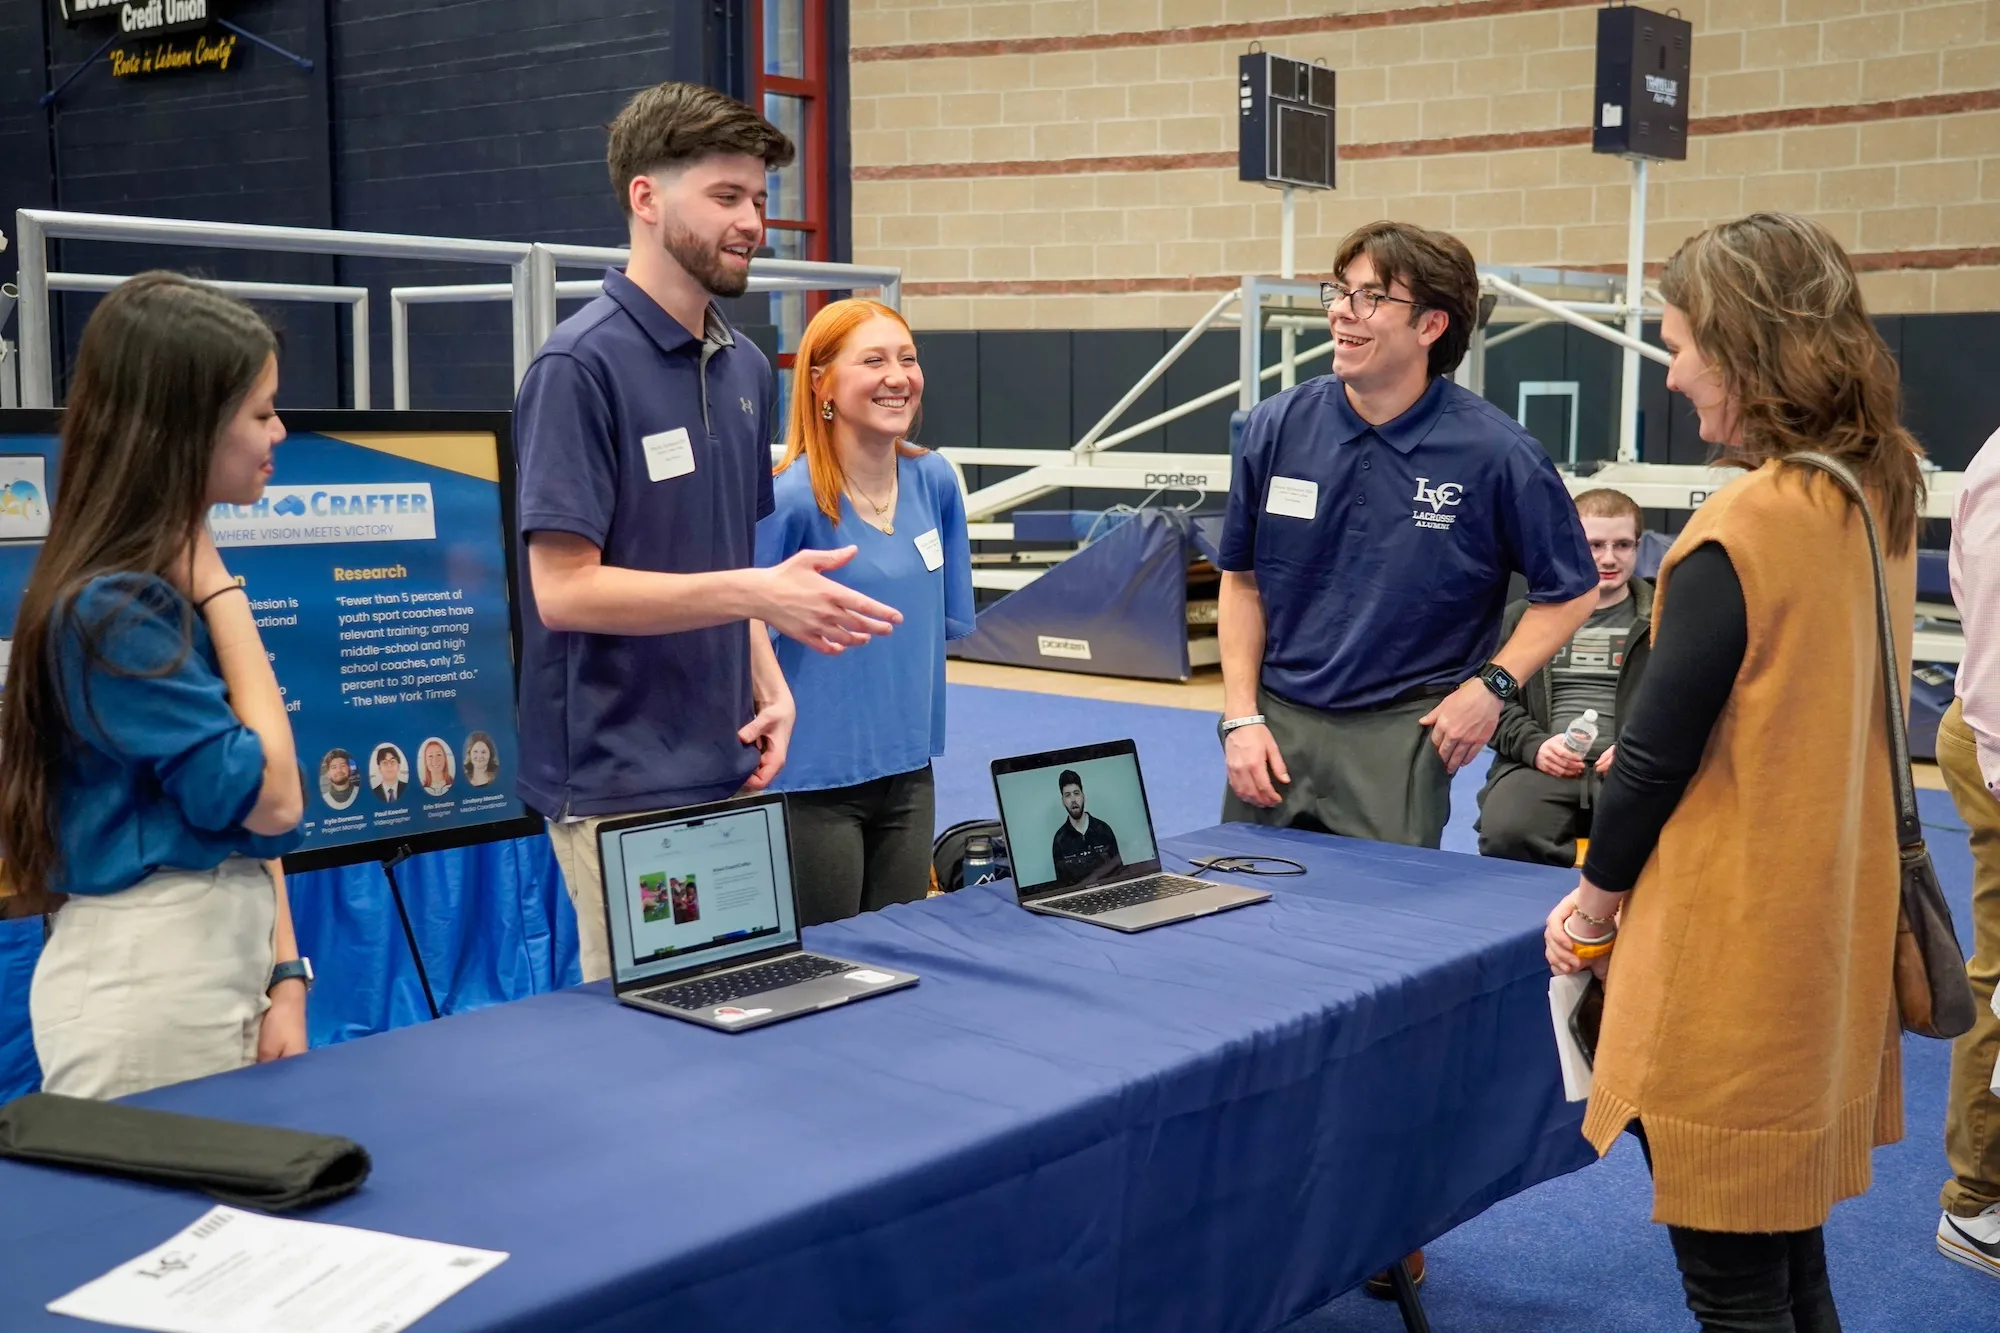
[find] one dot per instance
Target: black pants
(858, 848)
(1526, 815)
(1772, 1282)
(1755, 1281)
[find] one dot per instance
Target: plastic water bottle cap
(1590, 715)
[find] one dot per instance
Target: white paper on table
(1564, 992)
(238, 1272)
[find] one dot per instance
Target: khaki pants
(155, 984)
(1972, 1116)
(583, 879)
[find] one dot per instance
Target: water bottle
(1582, 733)
(978, 861)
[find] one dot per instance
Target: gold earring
(826, 410)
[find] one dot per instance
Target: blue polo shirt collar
(665, 331)
(1405, 432)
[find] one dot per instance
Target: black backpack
(948, 852)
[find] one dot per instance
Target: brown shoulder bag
(1933, 991)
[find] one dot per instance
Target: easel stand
(389, 864)
(1407, 1299)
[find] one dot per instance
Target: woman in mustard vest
(1740, 894)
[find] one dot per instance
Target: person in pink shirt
(1968, 750)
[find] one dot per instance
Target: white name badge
(669, 454)
(931, 549)
(1292, 498)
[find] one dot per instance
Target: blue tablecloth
(1213, 1126)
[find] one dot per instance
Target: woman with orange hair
(870, 718)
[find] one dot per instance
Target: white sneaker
(1972, 1241)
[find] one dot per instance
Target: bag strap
(1909, 830)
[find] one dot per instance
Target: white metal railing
(532, 290)
(1257, 303)
(402, 298)
(354, 298)
(1569, 313)
(582, 289)
(36, 227)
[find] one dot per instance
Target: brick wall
(1071, 163)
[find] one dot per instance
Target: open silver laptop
(1080, 838)
(704, 920)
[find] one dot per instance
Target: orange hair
(806, 432)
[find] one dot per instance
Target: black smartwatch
(1499, 680)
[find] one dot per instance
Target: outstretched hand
(801, 603)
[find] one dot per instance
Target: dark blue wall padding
(1125, 595)
(492, 921)
(1933, 685)
(1934, 576)
(1653, 548)
(1062, 527)
(20, 946)
(1205, 535)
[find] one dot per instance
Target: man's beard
(342, 787)
(703, 262)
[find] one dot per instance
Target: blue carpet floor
(1575, 1255)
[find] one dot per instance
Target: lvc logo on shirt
(1439, 498)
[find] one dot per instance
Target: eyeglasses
(1621, 547)
(1360, 300)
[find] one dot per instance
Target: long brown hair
(163, 366)
(1773, 304)
(807, 433)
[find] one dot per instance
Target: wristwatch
(298, 969)
(1226, 725)
(1499, 680)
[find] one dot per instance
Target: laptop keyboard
(707, 992)
(1133, 893)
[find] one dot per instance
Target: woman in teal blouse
(148, 778)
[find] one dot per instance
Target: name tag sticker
(1292, 497)
(669, 454)
(868, 976)
(931, 549)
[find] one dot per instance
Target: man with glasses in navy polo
(1375, 519)
(643, 441)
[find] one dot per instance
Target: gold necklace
(888, 529)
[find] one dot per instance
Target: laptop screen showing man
(1081, 841)
(698, 891)
(1076, 822)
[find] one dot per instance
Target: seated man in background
(1536, 802)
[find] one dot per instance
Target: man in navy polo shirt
(1375, 519)
(642, 437)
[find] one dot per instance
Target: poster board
(380, 567)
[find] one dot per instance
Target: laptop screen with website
(1075, 817)
(690, 892)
